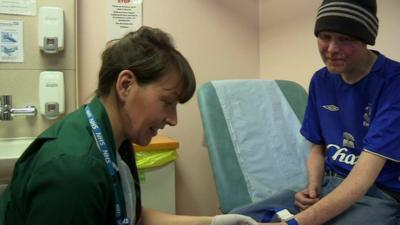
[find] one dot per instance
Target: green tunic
(62, 176)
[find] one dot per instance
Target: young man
(353, 122)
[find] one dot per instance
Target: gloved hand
(233, 219)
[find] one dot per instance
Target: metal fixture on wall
(7, 112)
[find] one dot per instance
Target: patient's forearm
(315, 165)
(356, 184)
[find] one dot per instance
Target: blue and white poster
(11, 41)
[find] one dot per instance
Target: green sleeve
(70, 190)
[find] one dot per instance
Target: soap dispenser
(51, 94)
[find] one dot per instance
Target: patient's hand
(306, 197)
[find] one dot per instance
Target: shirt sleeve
(310, 128)
(70, 190)
(383, 137)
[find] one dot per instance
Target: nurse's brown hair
(150, 54)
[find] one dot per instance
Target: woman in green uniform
(82, 169)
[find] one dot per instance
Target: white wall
(389, 34)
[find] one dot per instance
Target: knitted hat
(356, 18)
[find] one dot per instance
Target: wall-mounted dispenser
(51, 29)
(51, 94)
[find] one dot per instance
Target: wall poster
(123, 16)
(11, 41)
(19, 7)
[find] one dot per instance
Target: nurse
(82, 169)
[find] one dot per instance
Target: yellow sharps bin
(156, 165)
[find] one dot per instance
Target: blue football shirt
(350, 118)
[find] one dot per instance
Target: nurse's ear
(125, 83)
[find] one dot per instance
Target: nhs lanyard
(120, 216)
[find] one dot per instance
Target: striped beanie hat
(356, 18)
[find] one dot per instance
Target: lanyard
(120, 215)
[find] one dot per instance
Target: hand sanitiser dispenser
(51, 94)
(51, 29)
